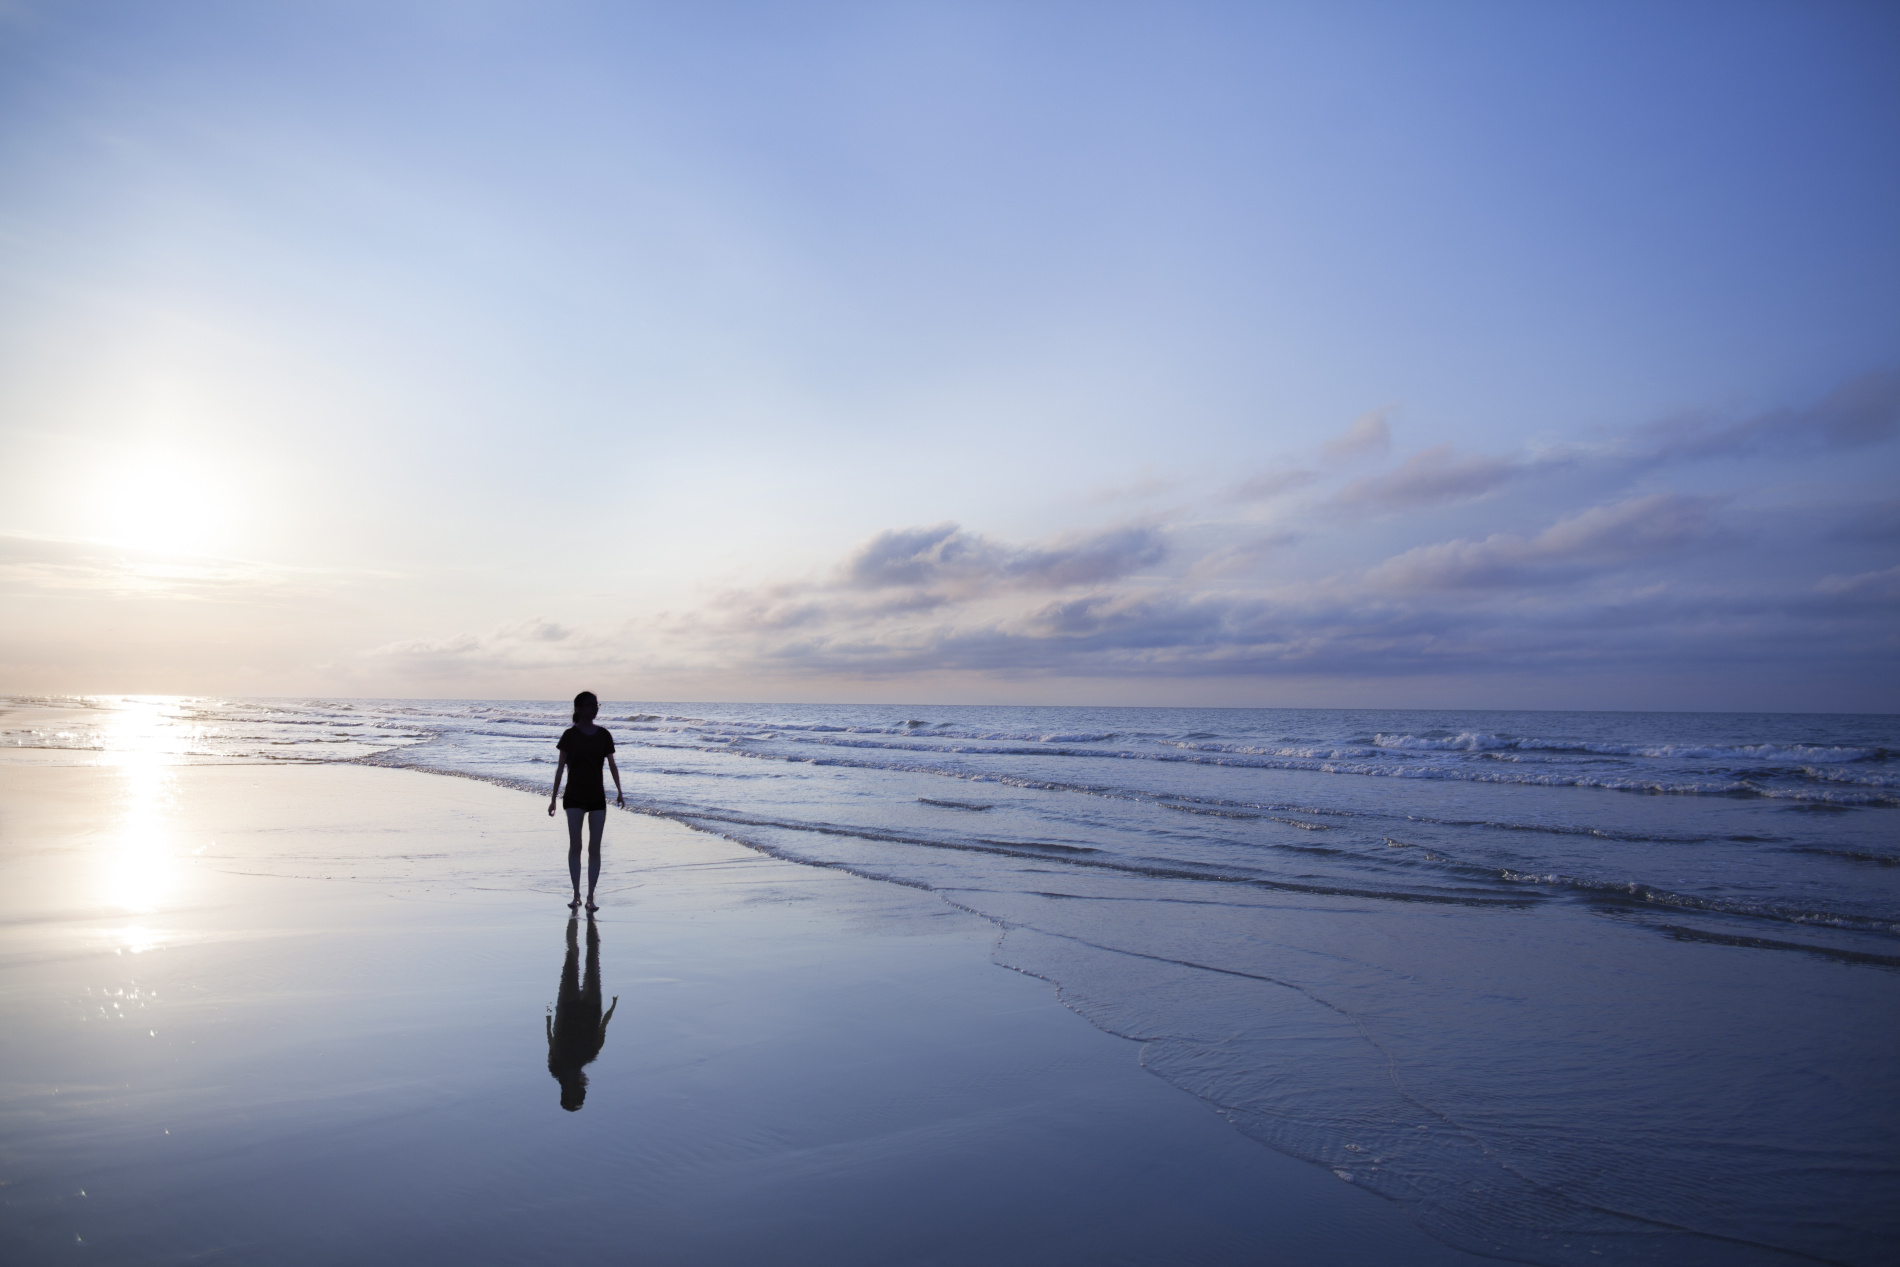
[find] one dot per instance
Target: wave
(1837, 953)
(1653, 784)
(1478, 741)
(1875, 857)
(1042, 852)
(1854, 776)
(1471, 742)
(1846, 775)
(941, 730)
(1645, 894)
(1307, 752)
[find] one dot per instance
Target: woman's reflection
(576, 1029)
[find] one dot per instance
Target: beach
(950, 985)
(236, 1033)
(1223, 634)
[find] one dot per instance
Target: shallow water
(1568, 985)
(801, 1069)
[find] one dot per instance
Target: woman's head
(586, 705)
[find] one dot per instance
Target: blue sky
(1535, 355)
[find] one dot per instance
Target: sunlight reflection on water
(136, 939)
(139, 871)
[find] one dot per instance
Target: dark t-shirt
(585, 753)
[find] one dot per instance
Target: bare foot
(575, 904)
(591, 908)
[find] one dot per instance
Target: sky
(1344, 354)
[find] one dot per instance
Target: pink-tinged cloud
(945, 555)
(1634, 531)
(1370, 436)
(1428, 478)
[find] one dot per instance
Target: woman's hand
(550, 809)
(620, 798)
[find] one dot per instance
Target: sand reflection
(576, 1028)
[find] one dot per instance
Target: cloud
(1875, 587)
(40, 565)
(1243, 556)
(1270, 484)
(1505, 602)
(1629, 584)
(1147, 484)
(1860, 412)
(522, 646)
(945, 555)
(1175, 633)
(1878, 523)
(1631, 531)
(911, 556)
(1458, 607)
(1430, 477)
(1370, 436)
(905, 587)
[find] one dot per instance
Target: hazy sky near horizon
(1486, 354)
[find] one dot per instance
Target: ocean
(1570, 986)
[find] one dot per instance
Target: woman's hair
(586, 704)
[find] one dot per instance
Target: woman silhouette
(583, 747)
(576, 1029)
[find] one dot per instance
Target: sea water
(1569, 986)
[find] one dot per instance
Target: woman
(583, 747)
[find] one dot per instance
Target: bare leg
(574, 817)
(596, 823)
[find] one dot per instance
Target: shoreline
(339, 980)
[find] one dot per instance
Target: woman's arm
(558, 768)
(620, 797)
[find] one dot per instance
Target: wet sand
(300, 1015)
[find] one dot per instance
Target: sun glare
(165, 504)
